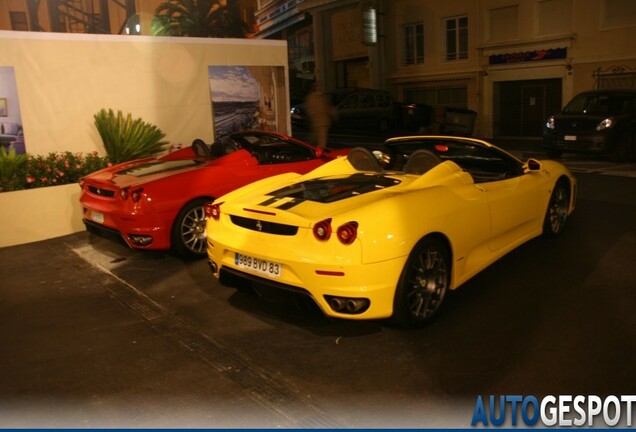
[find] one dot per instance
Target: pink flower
(30, 179)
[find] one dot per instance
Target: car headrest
(217, 149)
(201, 149)
(362, 159)
(421, 161)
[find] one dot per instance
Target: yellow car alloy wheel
(557, 212)
(423, 283)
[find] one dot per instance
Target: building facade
(284, 20)
(514, 62)
(73, 16)
(123, 17)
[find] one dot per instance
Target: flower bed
(19, 172)
(40, 195)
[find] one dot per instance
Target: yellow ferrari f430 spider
(386, 233)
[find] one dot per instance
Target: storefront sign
(278, 10)
(347, 35)
(529, 56)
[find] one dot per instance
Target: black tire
(557, 212)
(188, 230)
(423, 284)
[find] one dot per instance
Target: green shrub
(10, 168)
(127, 139)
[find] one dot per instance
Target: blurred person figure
(320, 113)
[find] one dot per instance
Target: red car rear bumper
(138, 231)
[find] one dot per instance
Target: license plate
(97, 216)
(261, 266)
(569, 137)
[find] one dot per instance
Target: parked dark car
(599, 122)
(355, 108)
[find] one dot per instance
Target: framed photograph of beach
(247, 97)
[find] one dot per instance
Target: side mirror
(532, 165)
(319, 152)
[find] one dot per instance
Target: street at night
(317, 214)
(98, 335)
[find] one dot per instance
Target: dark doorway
(353, 73)
(521, 107)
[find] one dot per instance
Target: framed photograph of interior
(3, 107)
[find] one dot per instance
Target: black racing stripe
(269, 201)
(290, 204)
(330, 189)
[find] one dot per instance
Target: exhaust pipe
(213, 267)
(337, 304)
(348, 305)
(354, 306)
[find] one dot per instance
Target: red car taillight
(135, 195)
(213, 210)
(348, 232)
(322, 230)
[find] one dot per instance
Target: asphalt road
(96, 335)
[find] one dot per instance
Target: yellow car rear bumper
(326, 283)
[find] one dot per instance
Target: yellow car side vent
(260, 212)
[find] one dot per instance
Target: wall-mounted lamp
(369, 26)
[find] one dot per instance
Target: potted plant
(127, 139)
(10, 165)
